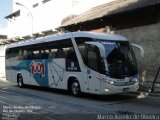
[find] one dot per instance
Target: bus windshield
(120, 59)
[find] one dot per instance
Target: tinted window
(50, 50)
(59, 49)
(90, 54)
(91, 57)
(12, 53)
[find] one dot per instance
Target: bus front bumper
(111, 89)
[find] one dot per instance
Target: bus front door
(93, 82)
(93, 66)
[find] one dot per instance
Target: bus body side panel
(14, 68)
(22, 68)
(7, 70)
(92, 80)
(38, 69)
(34, 72)
(58, 76)
(56, 71)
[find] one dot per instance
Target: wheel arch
(18, 75)
(71, 79)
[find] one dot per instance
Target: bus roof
(62, 36)
(99, 35)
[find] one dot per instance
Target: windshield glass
(120, 58)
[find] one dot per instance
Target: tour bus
(89, 62)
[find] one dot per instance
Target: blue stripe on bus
(36, 68)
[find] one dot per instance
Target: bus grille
(124, 83)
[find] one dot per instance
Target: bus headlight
(111, 82)
(106, 90)
(135, 80)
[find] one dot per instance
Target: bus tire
(20, 81)
(75, 88)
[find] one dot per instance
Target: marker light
(106, 90)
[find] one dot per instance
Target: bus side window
(46, 51)
(58, 49)
(30, 55)
(72, 63)
(52, 53)
(15, 54)
(40, 54)
(92, 60)
(91, 57)
(60, 53)
(71, 55)
(24, 54)
(8, 53)
(20, 57)
(44, 55)
(83, 51)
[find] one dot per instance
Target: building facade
(34, 16)
(31, 17)
(3, 36)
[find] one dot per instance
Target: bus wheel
(20, 81)
(75, 88)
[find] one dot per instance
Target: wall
(2, 61)
(45, 16)
(149, 38)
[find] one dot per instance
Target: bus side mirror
(140, 48)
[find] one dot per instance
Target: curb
(146, 90)
(154, 94)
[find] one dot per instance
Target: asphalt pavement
(51, 104)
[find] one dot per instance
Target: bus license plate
(125, 89)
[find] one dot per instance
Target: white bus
(89, 62)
